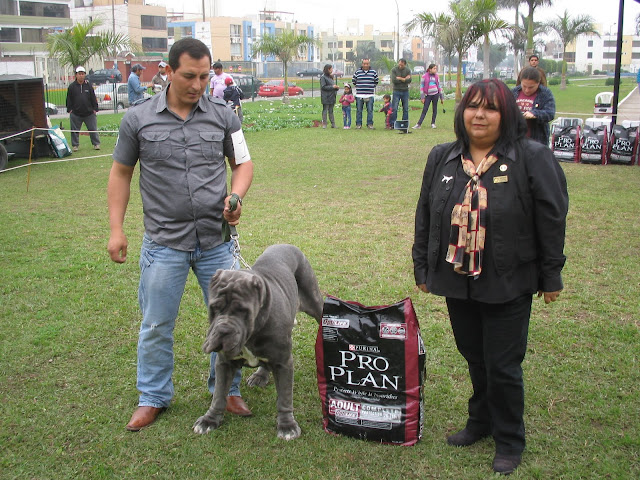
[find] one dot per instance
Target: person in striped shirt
(365, 80)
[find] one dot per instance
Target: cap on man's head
(228, 81)
(162, 64)
(80, 69)
(137, 67)
(217, 65)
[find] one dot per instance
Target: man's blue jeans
(359, 105)
(399, 96)
(163, 275)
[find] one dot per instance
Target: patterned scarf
(466, 239)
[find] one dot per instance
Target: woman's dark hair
(326, 68)
(431, 65)
(496, 94)
(530, 73)
(192, 47)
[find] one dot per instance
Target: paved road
(629, 107)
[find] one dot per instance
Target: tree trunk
(563, 82)
(486, 54)
(530, 31)
(516, 60)
(459, 79)
(285, 92)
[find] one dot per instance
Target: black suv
(247, 83)
(105, 75)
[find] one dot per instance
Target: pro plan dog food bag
(371, 367)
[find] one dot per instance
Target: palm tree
(77, 45)
(516, 34)
(489, 24)
(568, 29)
(533, 4)
(461, 28)
(284, 46)
(435, 27)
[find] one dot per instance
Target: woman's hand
(423, 287)
(549, 296)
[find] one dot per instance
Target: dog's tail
(309, 294)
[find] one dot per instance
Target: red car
(275, 88)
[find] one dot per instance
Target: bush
(553, 81)
(510, 81)
(611, 81)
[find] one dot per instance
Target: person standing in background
(400, 80)
(328, 90)
(135, 88)
(365, 80)
(82, 107)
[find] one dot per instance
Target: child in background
(387, 110)
(346, 100)
(431, 91)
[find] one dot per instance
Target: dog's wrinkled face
(235, 298)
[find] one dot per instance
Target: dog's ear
(258, 285)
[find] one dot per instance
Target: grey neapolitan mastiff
(251, 316)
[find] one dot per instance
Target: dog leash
(229, 232)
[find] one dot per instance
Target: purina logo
(364, 348)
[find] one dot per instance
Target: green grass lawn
(69, 321)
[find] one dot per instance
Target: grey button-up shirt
(183, 175)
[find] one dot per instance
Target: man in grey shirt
(181, 139)
(400, 79)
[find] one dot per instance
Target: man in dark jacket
(400, 79)
(232, 95)
(82, 106)
(536, 103)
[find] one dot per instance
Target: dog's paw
(205, 424)
(260, 378)
(289, 432)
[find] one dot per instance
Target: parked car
(275, 88)
(104, 95)
(338, 73)
(310, 72)
(104, 75)
(249, 84)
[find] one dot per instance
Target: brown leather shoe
(237, 406)
(143, 417)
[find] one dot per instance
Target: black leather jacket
(526, 220)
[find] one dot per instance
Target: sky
(329, 14)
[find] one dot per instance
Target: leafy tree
(568, 29)
(533, 4)
(516, 35)
(285, 47)
(460, 29)
(486, 26)
(77, 45)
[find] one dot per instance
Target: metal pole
(616, 82)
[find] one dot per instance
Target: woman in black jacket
(489, 233)
(328, 89)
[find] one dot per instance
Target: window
(340, 45)
(610, 44)
(330, 56)
(635, 55)
(34, 35)
(8, 7)
(235, 30)
(8, 34)
(236, 49)
(154, 44)
(34, 9)
(589, 54)
(350, 56)
(152, 22)
(635, 44)
(386, 43)
(570, 57)
(590, 43)
(609, 55)
(349, 43)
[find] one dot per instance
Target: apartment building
(591, 52)
(341, 49)
(24, 27)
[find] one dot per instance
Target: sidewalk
(629, 107)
